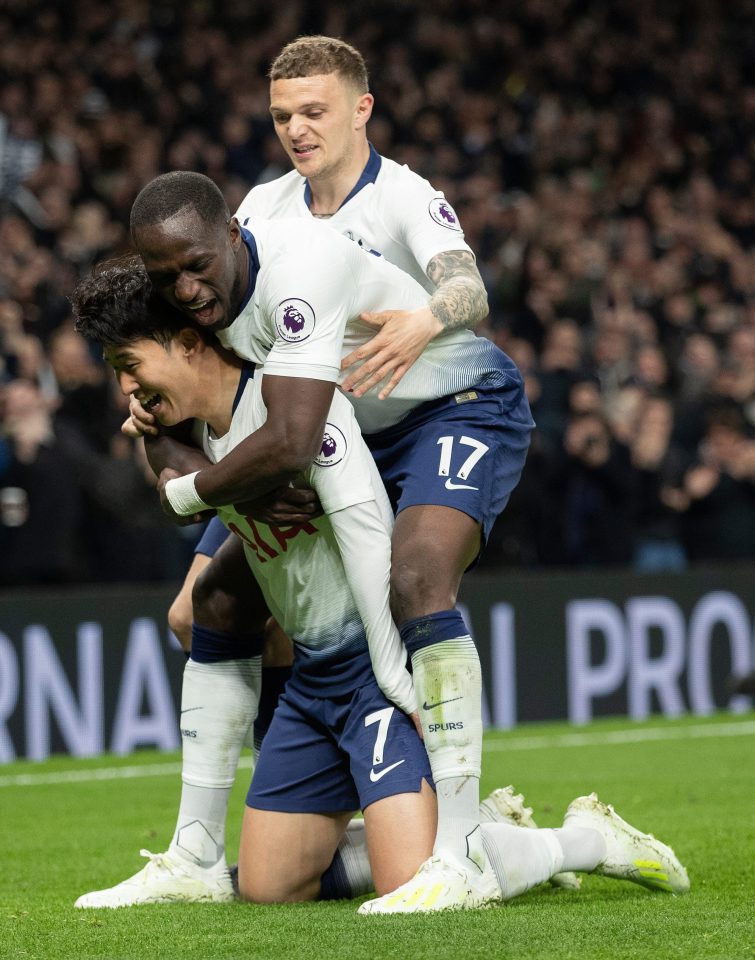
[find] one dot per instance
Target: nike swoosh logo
(432, 706)
(450, 485)
(379, 776)
(189, 709)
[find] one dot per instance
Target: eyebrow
(304, 106)
(124, 353)
(158, 275)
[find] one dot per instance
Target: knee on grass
(254, 888)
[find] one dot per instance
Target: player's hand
(401, 338)
(283, 507)
(139, 423)
(168, 474)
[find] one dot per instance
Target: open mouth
(203, 311)
(151, 403)
(304, 151)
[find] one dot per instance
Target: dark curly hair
(115, 306)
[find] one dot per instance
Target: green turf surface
(691, 782)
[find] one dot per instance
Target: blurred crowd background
(600, 156)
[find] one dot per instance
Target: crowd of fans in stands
(600, 156)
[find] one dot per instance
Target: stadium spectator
(594, 476)
(599, 156)
(720, 491)
(660, 464)
(40, 503)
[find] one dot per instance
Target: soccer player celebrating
(320, 105)
(326, 582)
(336, 743)
(450, 442)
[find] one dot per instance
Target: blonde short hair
(312, 56)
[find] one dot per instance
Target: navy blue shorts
(336, 754)
(214, 536)
(465, 451)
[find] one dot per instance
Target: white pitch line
(586, 739)
(103, 773)
(606, 737)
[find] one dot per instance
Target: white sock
(521, 859)
(459, 833)
(448, 682)
(200, 828)
(218, 705)
(583, 848)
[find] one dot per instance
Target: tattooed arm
(459, 300)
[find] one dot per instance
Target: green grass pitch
(72, 825)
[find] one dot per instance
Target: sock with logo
(521, 859)
(448, 682)
(218, 706)
(349, 875)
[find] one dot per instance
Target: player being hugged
(337, 743)
(343, 737)
(450, 442)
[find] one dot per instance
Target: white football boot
(165, 879)
(630, 854)
(505, 806)
(439, 884)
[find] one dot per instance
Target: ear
(234, 234)
(363, 110)
(190, 341)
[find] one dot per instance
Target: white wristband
(183, 497)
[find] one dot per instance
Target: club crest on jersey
(294, 320)
(443, 213)
(333, 448)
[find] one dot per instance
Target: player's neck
(221, 383)
(330, 190)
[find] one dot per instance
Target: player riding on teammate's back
(320, 104)
(335, 742)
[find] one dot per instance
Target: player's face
(198, 269)
(319, 121)
(160, 377)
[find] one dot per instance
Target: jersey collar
(368, 175)
(247, 373)
(254, 265)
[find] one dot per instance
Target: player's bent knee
(282, 856)
(254, 888)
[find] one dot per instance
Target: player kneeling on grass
(342, 737)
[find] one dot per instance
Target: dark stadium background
(600, 156)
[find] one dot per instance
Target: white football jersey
(302, 317)
(391, 212)
(326, 582)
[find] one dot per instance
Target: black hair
(115, 305)
(168, 194)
